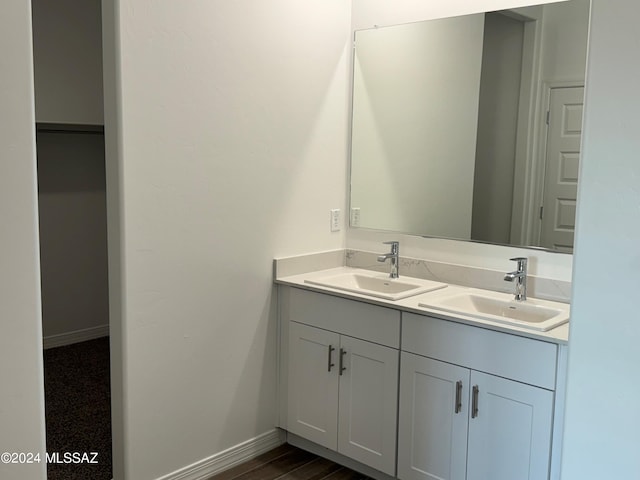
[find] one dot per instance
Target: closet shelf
(42, 127)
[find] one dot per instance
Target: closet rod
(42, 127)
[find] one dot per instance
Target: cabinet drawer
(356, 319)
(510, 356)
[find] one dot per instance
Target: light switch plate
(355, 216)
(335, 220)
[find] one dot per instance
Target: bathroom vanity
(397, 389)
(438, 373)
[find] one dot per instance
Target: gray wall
(73, 235)
(67, 47)
(72, 199)
(497, 122)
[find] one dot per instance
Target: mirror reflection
(469, 127)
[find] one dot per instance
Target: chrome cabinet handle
(474, 402)
(458, 396)
(329, 363)
(343, 352)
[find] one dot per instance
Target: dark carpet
(78, 410)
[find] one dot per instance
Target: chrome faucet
(394, 256)
(520, 277)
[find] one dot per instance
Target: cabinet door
(368, 403)
(510, 435)
(313, 384)
(434, 417)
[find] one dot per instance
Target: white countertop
(559, 335)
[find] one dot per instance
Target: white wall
(564, 41)
(228, 148)
(601, 430)
(68, 61)
(22, 392)
(413, 149)
(600, 438)
(114, 186)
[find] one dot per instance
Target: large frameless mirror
(469, 127)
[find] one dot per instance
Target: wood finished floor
(289, 463)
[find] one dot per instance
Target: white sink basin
(376, 284)
(534, 314)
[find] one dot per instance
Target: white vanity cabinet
(509, 431)
(342, 376)
(313, 387)
(435, 399)
(433, 419)
(474, 404)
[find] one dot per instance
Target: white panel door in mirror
(561, 168)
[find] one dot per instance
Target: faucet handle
(522, 262)
(395, 245)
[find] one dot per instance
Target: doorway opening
(498, 111)
(67, 50)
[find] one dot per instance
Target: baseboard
(226, 459)
(76, 336)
